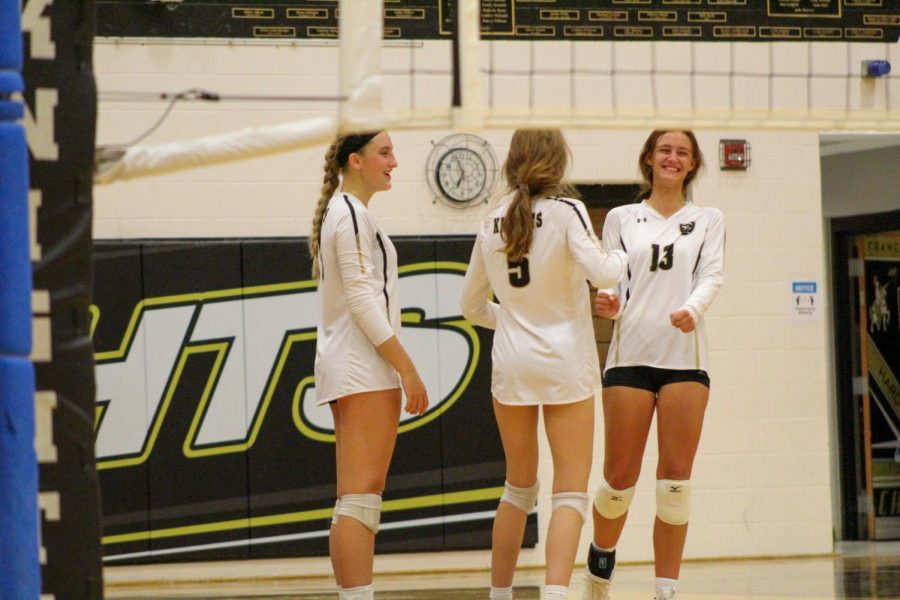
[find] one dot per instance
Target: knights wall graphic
(209, 442)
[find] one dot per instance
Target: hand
(683, 320)
(606, 304)
(416, 394)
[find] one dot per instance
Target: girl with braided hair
(535, 252)
(360, 363)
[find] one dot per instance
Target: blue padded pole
(10, 36)
(15, 265)
(20, 571)
(15, 262)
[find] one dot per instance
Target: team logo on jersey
(686, 228)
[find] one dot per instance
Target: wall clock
(462, 170)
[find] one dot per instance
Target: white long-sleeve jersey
(544, 350)
(673, 264)
(358, 298)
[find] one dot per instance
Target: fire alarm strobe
(734, 154)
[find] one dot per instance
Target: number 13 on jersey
(666, 263)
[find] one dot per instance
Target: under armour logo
(686, 228)
(642, 219)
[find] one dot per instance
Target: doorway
(866, 276)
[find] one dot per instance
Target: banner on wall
(882, 280)
(209, 441)
(575, 20)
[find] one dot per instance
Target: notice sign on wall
(804, 300)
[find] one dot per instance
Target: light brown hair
(647, 152)
(534, 169)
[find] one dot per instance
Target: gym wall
(762, 474)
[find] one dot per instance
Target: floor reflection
(856, 571)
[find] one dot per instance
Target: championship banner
(209, 442)
(575, 20)
(882, 280)
(60, 118)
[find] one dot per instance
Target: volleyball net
(471, 81)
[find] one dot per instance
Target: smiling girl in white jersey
(360, 364)
(536, 252)
(657, 360)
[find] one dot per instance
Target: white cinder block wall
(762, 475)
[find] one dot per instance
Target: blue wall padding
(10, 82)
(11, 110)
(19, 558)
(10, 36)
(15, 258)
(20, 572)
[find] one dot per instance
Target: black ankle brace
(600, 563)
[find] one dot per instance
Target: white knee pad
(673, 501)
(612, 503)
(365, 508)
(577, 501)
(521, 498)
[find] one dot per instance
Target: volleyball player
(360, 363)
(536, 251)
(657, 360)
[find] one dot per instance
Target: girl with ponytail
(535, 251)
(360, 364)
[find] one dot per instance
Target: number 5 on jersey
(519, 275)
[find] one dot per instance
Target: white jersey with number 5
(544, 350)
(673, 263)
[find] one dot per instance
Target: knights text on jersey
(673, 264)
(358, 302)
(544, 350)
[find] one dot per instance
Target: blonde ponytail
(516, 228)
(329, 185)
(534, 168)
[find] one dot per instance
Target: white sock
(665, 588)
(504, 593)
(363, 592)
(556, 592)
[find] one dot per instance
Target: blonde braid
(329, 185)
